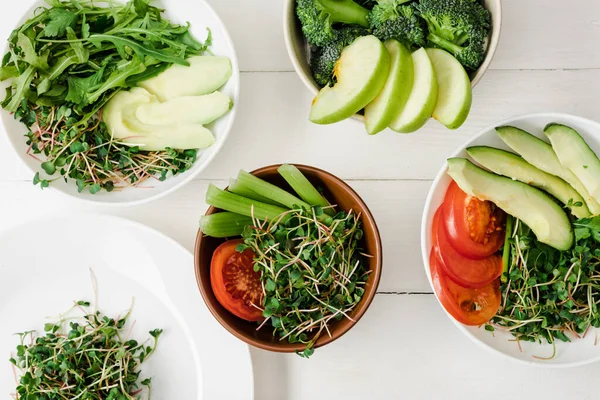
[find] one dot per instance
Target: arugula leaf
(20, 87)
(140, 50)
(118, 78)
(81, 53)
(60, 20)
(8, 72)
(61, 65)
(44, 86)
(30, 56)
(80, 87)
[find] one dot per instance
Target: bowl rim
(494, 40)
(323, 340)
(426, 228)
(191, 174)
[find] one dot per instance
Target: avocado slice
(511, 165)
(535, 208)
(575, 155)
(541, 155)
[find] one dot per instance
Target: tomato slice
(464, 271)
(468, 306)
(235, 283)
(474, 227)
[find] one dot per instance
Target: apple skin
(455, 92)
(361, 71)
(381, 111)
(422, 99)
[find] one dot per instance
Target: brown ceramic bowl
(337, 192)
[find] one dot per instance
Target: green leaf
(581, 233)
(44, 86)
(20, 87)
(118, 78)
(48, 167)
(8, 72)
(270, 286)
(30, 56)
(81, 53)
(61, 65)
(79, 88)
(95, 188)
(60, 20)
(140, 50)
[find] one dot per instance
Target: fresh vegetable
(390, 19)
(235, 283)
(532, 206)
(458, 26)
(243, 190)
(394, 95)
(83, 357)
(454, 93)
(541, 155)
(319, 16)
(323, 59)
(422, 99)
(466, 272)
(468, 306)
(361, 73)
(66, 63)
(307, 269)
(551, 294)
(575, 155)
(473, 227)
(510, 165)
(312, 272)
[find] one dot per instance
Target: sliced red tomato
(467, 306)
(464, 271)
(235, 283)
(474, 227)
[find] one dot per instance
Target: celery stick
(307, 192)
(244, 191)
(506, 250)
(224, 224)
(241, 205)
(271, 191)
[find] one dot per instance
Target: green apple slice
(381, 111)
(455, 93)
(361, 72)
(423, 97)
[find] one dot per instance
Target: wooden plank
(405, 347)
(396, 207)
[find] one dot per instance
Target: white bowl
(580, 351)
(298, 48)
(201, 16)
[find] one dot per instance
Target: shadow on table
(270, 375)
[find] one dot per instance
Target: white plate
(579, 351)
(45, 266)
(201, 16)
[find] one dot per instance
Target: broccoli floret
(323, 59)
(319, 16)
(457, 26)
(389, 19)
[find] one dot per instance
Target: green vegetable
(301, 185)
(318, 17)
(391, 20)
(312, 272)
(245, 191)
(323, 59)
(67, 62)
(506, 260)
(270, 191)
(224, 224)
(240, 205)
(552, 294)
(87, 357)
(457, 26)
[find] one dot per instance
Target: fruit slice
(473, 226)
(575, 155)
(361, 73)
(185, 110)
(511, 165)
(535, 208)
(234, 282)
(541, 155)
(423, 97)
(455, 93)
(381, 111)
(204, 75)
(464, 271)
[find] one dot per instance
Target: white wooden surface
(405, 347)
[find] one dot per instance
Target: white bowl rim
(190, 175)
(425, 232)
